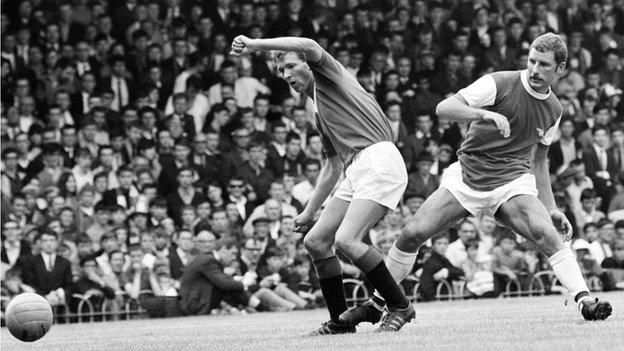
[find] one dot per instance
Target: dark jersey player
(514, 115)
(357, 138)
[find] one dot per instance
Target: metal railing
(94, 307)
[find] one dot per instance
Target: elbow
(442, 108)
(312, 49)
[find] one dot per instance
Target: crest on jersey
(540, 132)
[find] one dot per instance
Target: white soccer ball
(28, 317)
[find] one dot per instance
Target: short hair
(474, 243)
(505, 233)
(46, 232)
(599, 127)
(9, 150)
(443, 235)
(589, 225)
(278, 55)
(588, 194)
(110, 254)
(292, 136)
(83, 238)
(551, 42)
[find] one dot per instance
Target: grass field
(535, 323)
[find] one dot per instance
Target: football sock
(378, 301)
(569, 274)
(371, 263)
(329, 272)
(400, 263)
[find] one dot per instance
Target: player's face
(542, 69)
(295, 72)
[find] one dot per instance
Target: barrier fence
(93, 306)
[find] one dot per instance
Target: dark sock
(379, 301)
(372, 264)
(580, 295)
(329, 272)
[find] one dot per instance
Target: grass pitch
(532, 323)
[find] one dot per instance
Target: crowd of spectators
(139, 159)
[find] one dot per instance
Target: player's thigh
(439, 212)
(361, 216)
(527, 216)
(324, 230)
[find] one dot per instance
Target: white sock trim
(402, 256)
(579, 303)
(561, 255)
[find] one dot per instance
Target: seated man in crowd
(204, 284)
(437, 268)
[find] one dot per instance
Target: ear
(561, 68)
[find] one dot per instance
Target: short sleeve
(481, 93)
(550, 134)
(329, 67)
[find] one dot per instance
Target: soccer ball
(28, 316)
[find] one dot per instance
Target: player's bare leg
(438, 213)
(527, 216)
(319, 242)
(361, 216)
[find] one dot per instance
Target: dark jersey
(348, 118)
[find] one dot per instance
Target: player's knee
(547, 240)
(416, 231)
(343, 244)
(315, 244)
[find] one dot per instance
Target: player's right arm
(330, 173)
(467, 105)
(242, 45)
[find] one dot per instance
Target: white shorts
(377, 173)
(485, 202)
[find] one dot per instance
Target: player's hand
(501, 122)
(241, 45)
(302, 223)
(562, 224)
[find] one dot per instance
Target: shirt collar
(527, 87)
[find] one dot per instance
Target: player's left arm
(544, 189)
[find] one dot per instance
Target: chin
(538, 87)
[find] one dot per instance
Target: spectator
(255, 172)
(617, 260)
(456, 251)
(204, 284)
(421, 180)
(601, 166)
(271, 274)
(14, 248)
(183, 253)
(48, 273)
(437, 268)
(508, 263)
(478, 271)
(303, 190)
(185, 194)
